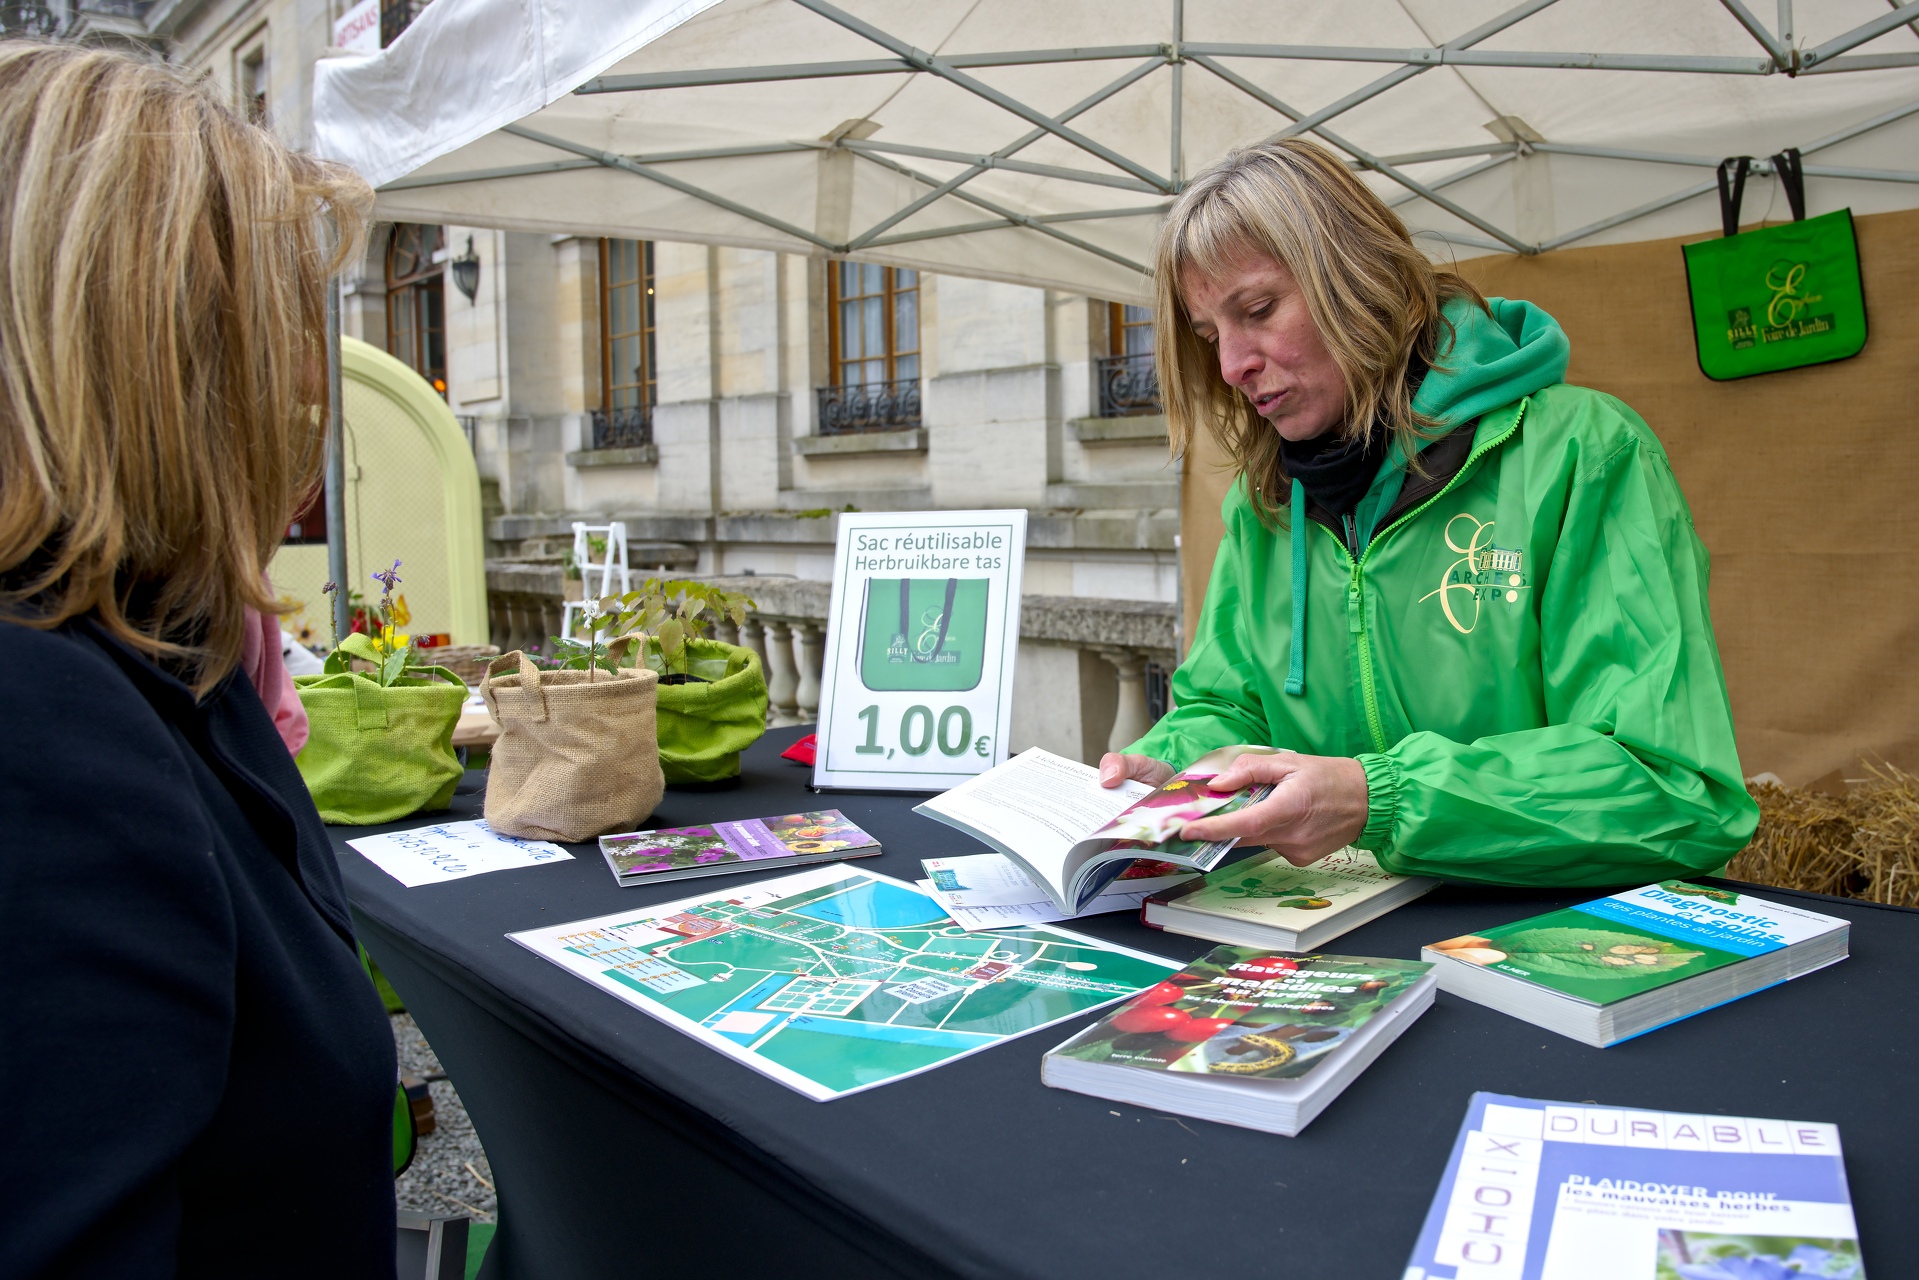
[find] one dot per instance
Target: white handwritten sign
(451, 851)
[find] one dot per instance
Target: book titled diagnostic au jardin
(1617, 967)
(756, 844)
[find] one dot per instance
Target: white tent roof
(1037, 143)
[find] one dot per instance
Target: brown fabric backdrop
(1803, 484)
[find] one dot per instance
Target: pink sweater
(267, 668)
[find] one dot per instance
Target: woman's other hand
(1115, 768)
(1318, 804)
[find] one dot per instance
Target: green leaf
(360, 645)
(395, 666)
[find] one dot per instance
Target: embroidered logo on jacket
(1483, 572)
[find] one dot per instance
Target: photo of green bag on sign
(1776, 297)
(923, 634)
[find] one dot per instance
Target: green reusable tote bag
(377, 754)
(1777, 297)
(923, 634)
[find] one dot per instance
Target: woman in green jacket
(1465, 598)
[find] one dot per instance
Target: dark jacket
(196, 1077)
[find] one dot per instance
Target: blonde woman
(1465, 597)
(196, 1077)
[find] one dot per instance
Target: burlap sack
(576, 758)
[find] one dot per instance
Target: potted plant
(712, 695)
(381, 720)
(572, 584)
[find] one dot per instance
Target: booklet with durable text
(1269, 902)
(1557, 1191)
(757, 844)
(1616, 967)
(1073, 836)
(1247, 1037)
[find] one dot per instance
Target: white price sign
(916, 692)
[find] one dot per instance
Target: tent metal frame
(1782, 56)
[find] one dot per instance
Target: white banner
(916, 693)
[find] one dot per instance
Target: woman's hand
(1318, 804)
(1115, 768)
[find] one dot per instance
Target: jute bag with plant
(578, 755)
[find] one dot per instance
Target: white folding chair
(597, 579)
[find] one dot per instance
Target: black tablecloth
(623, 1148)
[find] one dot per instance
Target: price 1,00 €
(920, 731)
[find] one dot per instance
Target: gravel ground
(449, 1171)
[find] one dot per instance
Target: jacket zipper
(1356, 589)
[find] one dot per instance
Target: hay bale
(1862, 844)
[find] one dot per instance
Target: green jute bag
(703, 727)
(377, 754)
(1776, 297)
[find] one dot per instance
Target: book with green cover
(1266, 901)
(1246, 1036)
(1619, 966)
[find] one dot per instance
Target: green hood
(1493, 360)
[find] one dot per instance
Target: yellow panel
(413, 494)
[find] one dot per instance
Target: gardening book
(1073, 836)
(1269, 902)
(1246, 1037)
(1553, 1191)
(989, 891)
(1617, 967)
(835, 979)
(757, 844)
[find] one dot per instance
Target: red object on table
(805, 751)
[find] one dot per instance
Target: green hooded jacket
(1522, 662)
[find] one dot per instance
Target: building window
(416, 300)
(396, 16)
(1128, 383)
(251, 83)
(308, 527)
(873, 337)
(629, 383)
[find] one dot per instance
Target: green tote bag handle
(1775, 297)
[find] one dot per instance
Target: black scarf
(1335, 470)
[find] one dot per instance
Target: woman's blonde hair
(1376, 299)
(163, 266)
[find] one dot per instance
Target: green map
(833, 980)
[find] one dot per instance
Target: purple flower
(329, 588)
(388, 578)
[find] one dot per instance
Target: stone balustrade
(1062, 703)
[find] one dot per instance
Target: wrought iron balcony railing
(627, 428)
(1128, 385)
(871, 406)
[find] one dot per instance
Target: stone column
(812, 646)
(1130, 720)
(782, 679)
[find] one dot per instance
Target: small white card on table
(451, 851)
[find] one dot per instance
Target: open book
(1073, 836)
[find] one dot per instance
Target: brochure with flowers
(1073, 837)
(757, 844)
(1247, 1037)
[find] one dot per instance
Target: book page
(989, 891)
(1035, 807)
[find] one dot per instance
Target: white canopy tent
(994, 138)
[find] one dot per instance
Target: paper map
(833, 980)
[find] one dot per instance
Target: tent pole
(336, 464)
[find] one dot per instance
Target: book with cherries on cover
(1246, 1037)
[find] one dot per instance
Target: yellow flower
(391, 641)
(399, 611)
